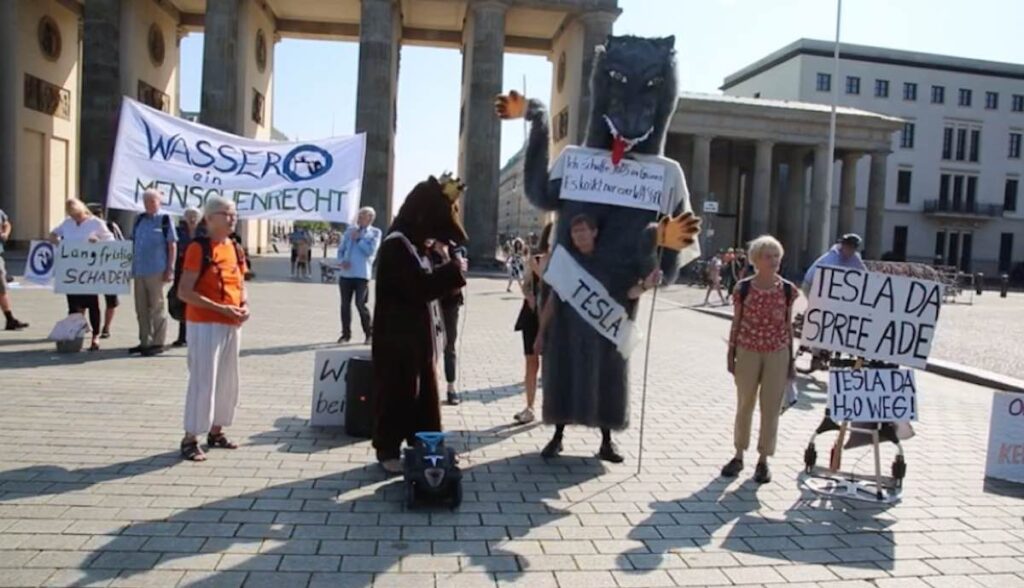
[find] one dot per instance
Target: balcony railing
(963, 208)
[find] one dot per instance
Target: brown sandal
(190, 451)
(220, 441)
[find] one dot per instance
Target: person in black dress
(528, 322)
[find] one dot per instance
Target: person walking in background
(213, 288)
(188, 229)
(527, 322)
(11, 323)
(714, 270)
(760, 353)
(515, 263)
(356, 253)
(110, 301)
(450, 306)
(80, 225)
(155, 253)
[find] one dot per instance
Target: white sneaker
(524, 416)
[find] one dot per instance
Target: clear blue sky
(315, 81)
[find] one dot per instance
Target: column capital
(488, 5)
(703, 138)
(851, 156)
(599, 17)
(881, 153)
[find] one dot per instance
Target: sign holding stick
(104, 267)
(872, 315)
(872, 396)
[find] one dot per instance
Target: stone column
(791, 213)
(760, 202)
(820, 214)
(848, 193)
(219, 99)
(876, 205)
(101, 96)
(596, 28)
(10, 102)
(480, 140)
(700, 180)
(380, 33)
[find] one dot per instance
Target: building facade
(65, 64)
(516, 216)
(953, 177)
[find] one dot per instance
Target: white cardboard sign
(330, 368)
(1005, 458)
(872, 396)
(872, 315)
(594, 178)
(104, 267)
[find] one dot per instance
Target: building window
(881, 88)
(910, 91)
(1018, 103)
(1005, 252)
(899, 242)
(961, 144)
(940, 245)
(824, 82)
(991, 100)
(852, 85)
(907, 136)
(965, 97)
(1010, 194)
(947, 143)
(975, 145)
(957, 192)
(903, 186)
(938, 95)
(1014, 145)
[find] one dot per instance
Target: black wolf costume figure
(640, 203)
(407, 330)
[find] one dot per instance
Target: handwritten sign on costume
(594, 178)
(872, 395)
(591, 300)
(1005, 459)
(104, 267)
(330, 368)
(872, 315)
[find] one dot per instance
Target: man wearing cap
(843, 254)
(12, 324)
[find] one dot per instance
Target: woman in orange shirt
(213, 288)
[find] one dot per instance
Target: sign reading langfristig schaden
(188, 162)
(104, 267)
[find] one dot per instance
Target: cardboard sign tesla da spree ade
(315, 180)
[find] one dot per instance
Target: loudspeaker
(359, 406)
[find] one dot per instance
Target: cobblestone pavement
(92, 491)
(981, 331)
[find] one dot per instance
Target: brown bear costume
(405, 329)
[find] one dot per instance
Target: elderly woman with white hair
(760, 356)
(189, 227)
(356, 252)
(82, 225)
(212, 286)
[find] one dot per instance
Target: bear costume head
(431, 211)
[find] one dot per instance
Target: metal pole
(832, 116)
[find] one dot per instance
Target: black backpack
(787, 289)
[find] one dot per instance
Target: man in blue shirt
(154, 253)
(356, 253)
(842, 254)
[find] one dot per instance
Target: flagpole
(832, 116)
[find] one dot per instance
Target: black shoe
(453, 398)
(104, 334)
(136, 349)
(762, 475)
(733, 468)
(15, 325)
(344, 339)
(179, 343)
(368, 341)
(553, 448)
(151, 351)
(609, 452)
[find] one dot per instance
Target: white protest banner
(329, 370)
(589, 298)
(315, 180)
(39, 264)
(104, 267)
(872, 395)
(1005, 458)
(872, 315)
(592, 177)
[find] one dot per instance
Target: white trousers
(212, 376)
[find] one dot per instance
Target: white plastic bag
(74, 326)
